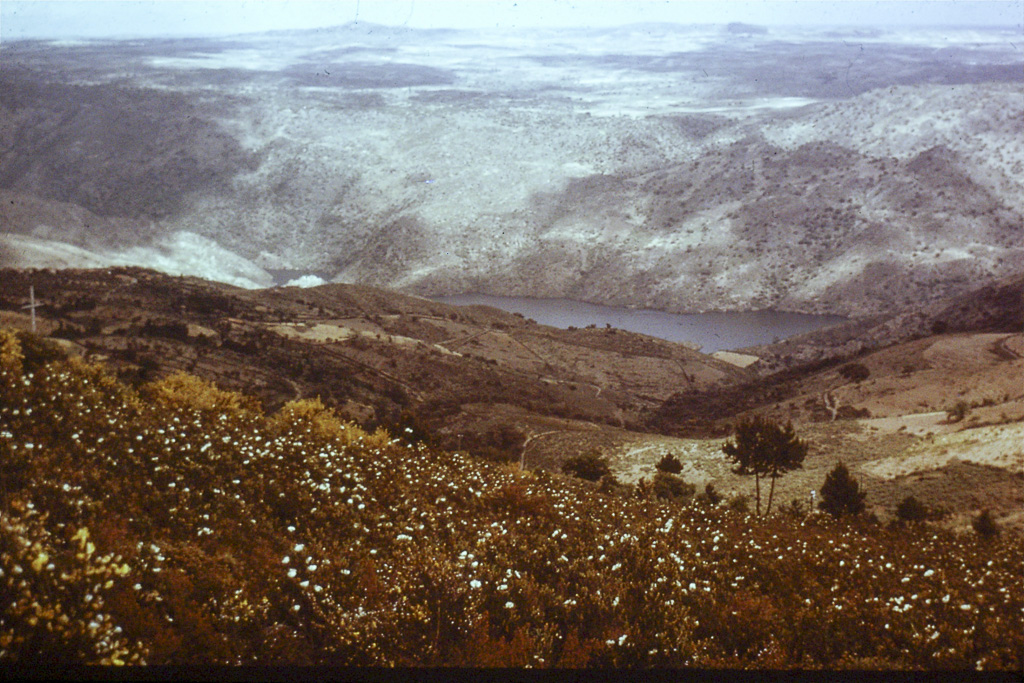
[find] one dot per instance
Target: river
(715, 331)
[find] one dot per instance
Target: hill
(509, 390)
(471, 376)
(655, 166)
(180, 523)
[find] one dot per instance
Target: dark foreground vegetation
(176, 523)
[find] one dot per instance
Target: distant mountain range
(676, 168)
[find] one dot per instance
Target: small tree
(763, 448)
(590, 466)
(669, 464)
(711, 495)
(841, 494)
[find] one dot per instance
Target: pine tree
(841, 494)
(763, 448)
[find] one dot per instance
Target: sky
(67, 19)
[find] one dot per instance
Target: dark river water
(712, 331)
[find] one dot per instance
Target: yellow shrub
(379, 439)
(311, 413)
(184, 390)
(10, 355)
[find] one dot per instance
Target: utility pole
(32, 305)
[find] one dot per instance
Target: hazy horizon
(71, 19)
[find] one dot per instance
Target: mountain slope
(375, 355)
(178, 524)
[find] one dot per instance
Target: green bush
(709, 496)
(590, 466)
(958, 411)
(669, 463)
(985, 525)
(672, 488)
(740, 503)
(855, 372)
(795, 509)
(910, 509)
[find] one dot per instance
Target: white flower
(292, 573)
(929, 573)
(475, 584)
(965, 607)
(286, 560)
(299, 547)
(509, 605)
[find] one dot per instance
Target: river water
(711, 331)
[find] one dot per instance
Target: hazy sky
(129, 18)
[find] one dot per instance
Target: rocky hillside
(655, 167)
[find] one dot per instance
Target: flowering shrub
(190, 528)
(55, 587)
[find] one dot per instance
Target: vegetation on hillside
(177, 523)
